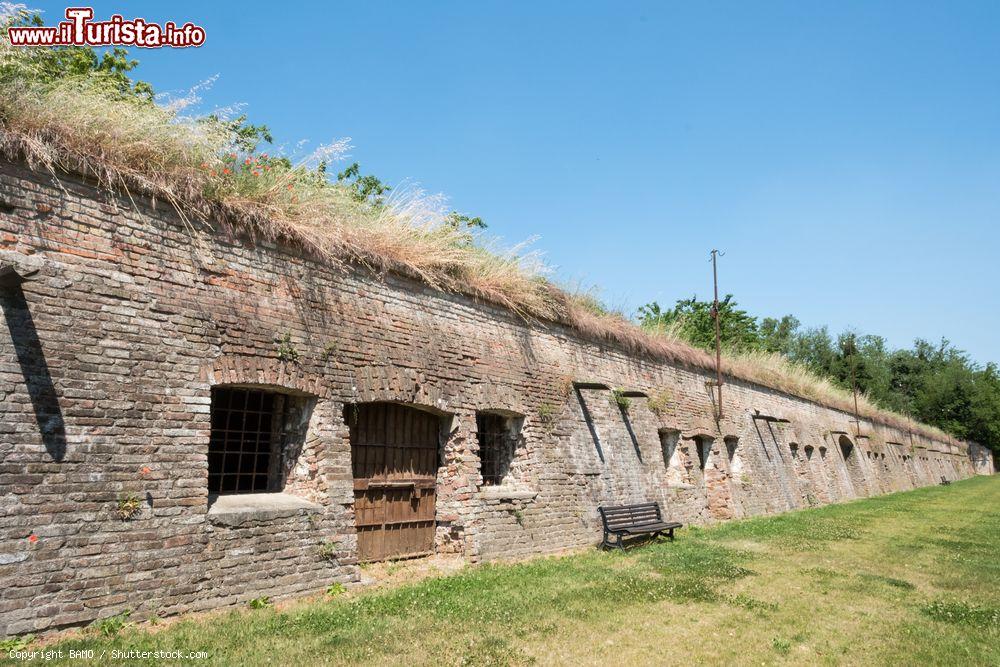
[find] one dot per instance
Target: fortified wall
(191, 420)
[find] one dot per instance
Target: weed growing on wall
(659, 401)
(129, 506)
(287, 351)
(328, 550)
(620, 400)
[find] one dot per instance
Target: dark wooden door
(394, 454)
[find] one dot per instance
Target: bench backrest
(623, 516)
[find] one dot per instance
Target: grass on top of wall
(910, 578)
(133, 147)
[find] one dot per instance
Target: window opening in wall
(731, 443)
(701, 445)
(846, 448)
(668, 444)
(247, 446)
(809, 451)
(794, 449)
(497, 435)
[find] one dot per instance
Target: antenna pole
(718, 336)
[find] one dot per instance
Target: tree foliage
(935, 383)
(364, 188)
(52, 64)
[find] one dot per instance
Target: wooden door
(394, 454)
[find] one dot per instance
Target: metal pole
(854, 388)
(718, 336)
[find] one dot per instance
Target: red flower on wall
(32, 538)
(145, 470)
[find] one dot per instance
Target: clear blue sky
(844, 155)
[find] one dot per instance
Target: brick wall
(109, 356)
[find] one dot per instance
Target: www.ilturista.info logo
(79, 30)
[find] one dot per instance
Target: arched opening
(732, 451)
(702, 445)
(846, 447)
(854, 471)
(809, 452)
(668, 445)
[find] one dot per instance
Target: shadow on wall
(35, 370)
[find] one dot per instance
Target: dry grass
(138, 148)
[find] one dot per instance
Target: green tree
(458, 220)
(48, 65)
(936, 384)
(364, 188)
(778, 335)
(693, 321)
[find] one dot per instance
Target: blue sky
(844, 155)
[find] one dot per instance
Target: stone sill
(500, 493)
(233, 510)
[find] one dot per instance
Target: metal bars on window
(245, 433)
(496, 447)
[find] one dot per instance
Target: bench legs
(620, 540)
(611, 545)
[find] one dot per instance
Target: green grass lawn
(912, 578)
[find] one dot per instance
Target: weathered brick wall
(108, 360)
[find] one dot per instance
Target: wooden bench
(623, 521)
(944, 481)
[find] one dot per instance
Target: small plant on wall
(547, 414)
(329, 351)
(286, 349)
(129, 506)
(328, 550)
(659, 401)
(619, 399)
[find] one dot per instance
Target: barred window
(256, 436)
(497, 435)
